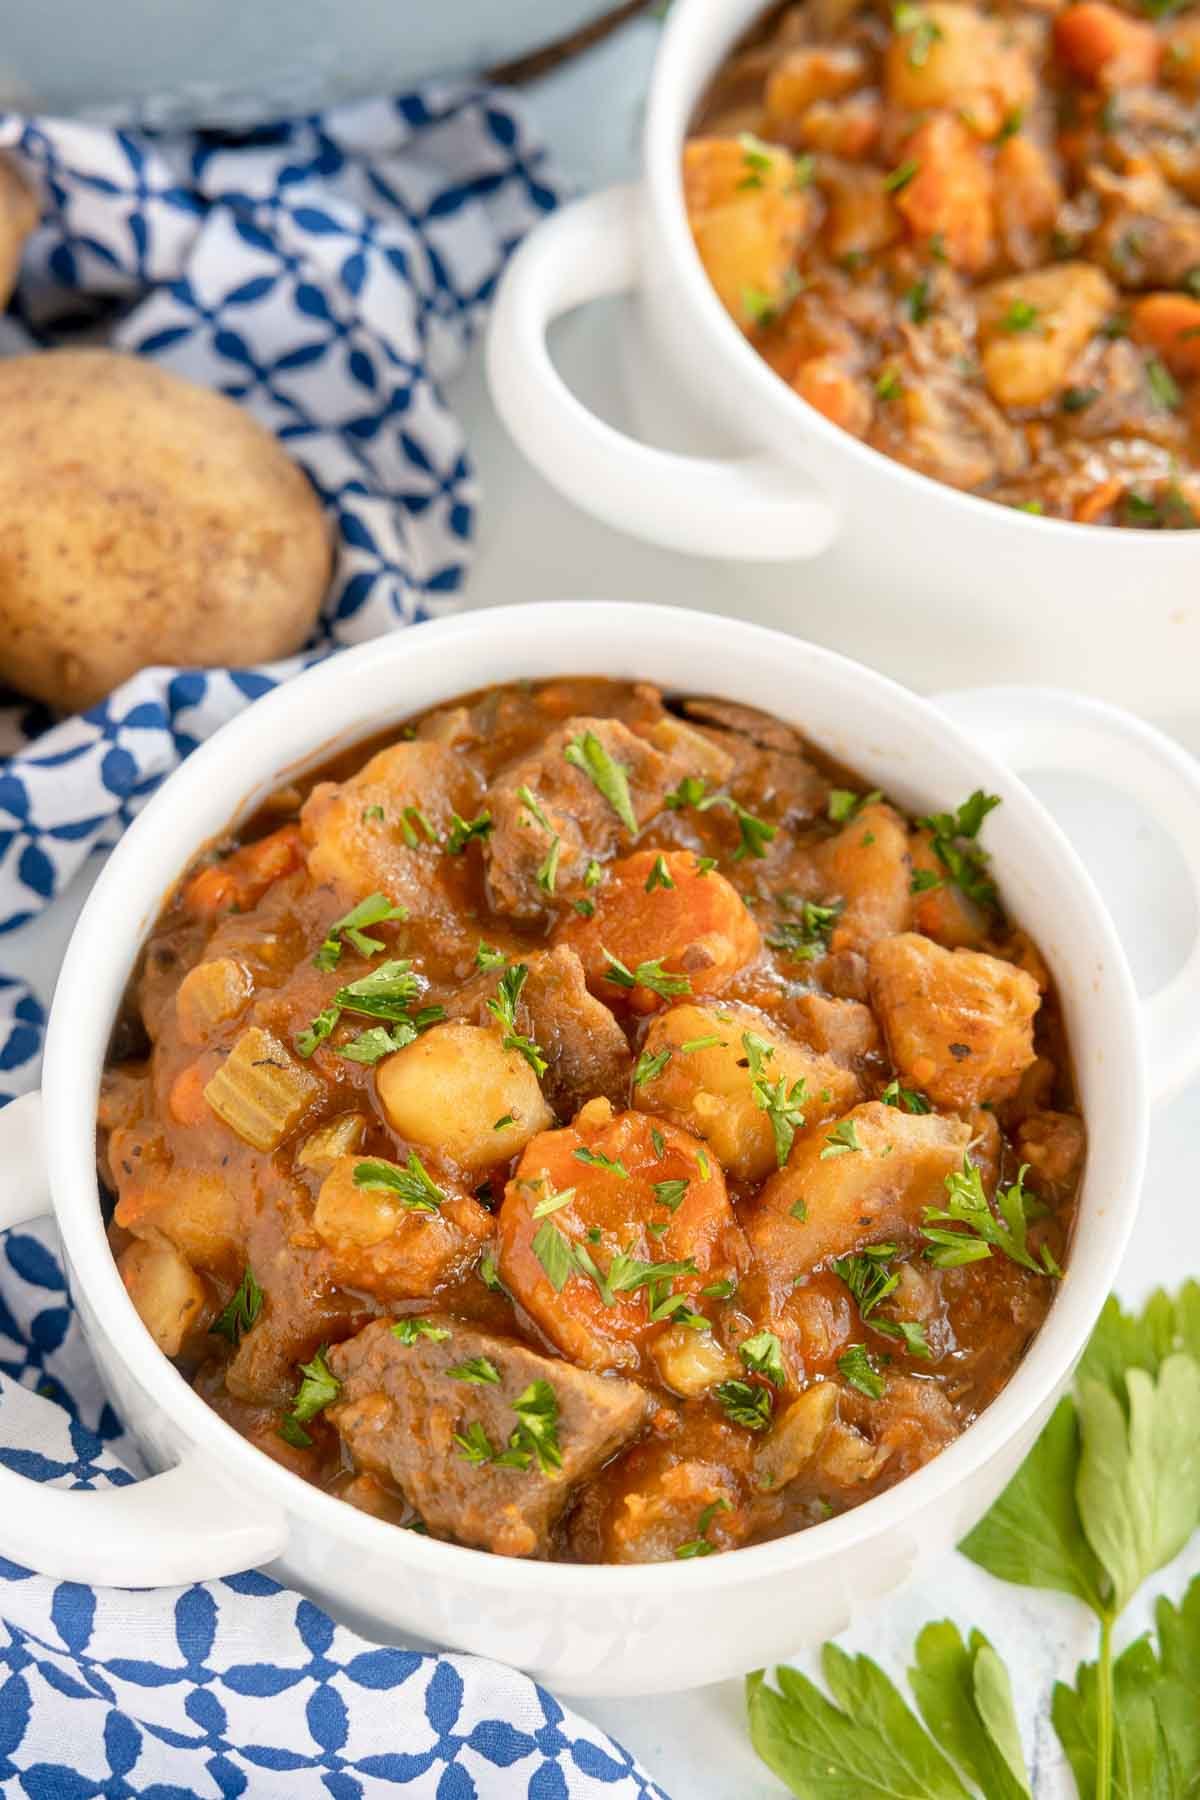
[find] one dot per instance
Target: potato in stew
(587, 1125)
(969, 234)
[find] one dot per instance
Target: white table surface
(533, 545)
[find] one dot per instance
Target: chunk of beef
(746, 721)
(959, 1024)
(576, 814)
(400, 1412)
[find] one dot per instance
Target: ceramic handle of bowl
(1049, 728)
(745, 507)
(187, 1524)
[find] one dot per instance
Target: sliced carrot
(1171, 324)
(1105, 46)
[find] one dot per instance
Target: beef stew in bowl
(968, 234)
(586, 1125)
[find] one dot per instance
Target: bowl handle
(1051, 728)
(752, 506)
(187, 1524)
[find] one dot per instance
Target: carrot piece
(1105, 46)
(1093, 506)
(243, 878)
(949, 192)
(1171, 324)
(187, 1103)
(834, 392)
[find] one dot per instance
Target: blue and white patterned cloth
(328, 273)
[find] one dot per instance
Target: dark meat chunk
(746, 721)
(1148, 236)
(573, 812)
(400, 1410)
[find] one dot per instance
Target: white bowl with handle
(1115, 611)
(217, 1504)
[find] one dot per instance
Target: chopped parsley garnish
(593, 875)
(1010, 124)
(719, 1290)
(409, 1330)
(871, 1282)
(553, 1199)
(650, 1065)
(964, 861)
(967, 1205)
(372, 1046)
(888, 385)
(1021, 315)
(627, 1273)
(413, 818)
(547, 873)
(658, 1140)
(1163, 385)
(474, 1445)
(294, 1434)
(374, 910)
(844, 804)
(690, 792)
(701, 1043)
(489, 1274)
(762, 1355)
(319, 1388)
(700, 1545)
(504, 1008)
(478, 1369)
(659, 876)
(783, 1106)
(670, 1193)
(842, 1140)
(488, 957)
(596, 1159)
(921, 31)
(756, 834)
(917, 301)
(527, 799)
(239, 1314)
(536, 1431)
(909, 1099)
(757, 158)
(900, 177)
(585, 908)
(386, 993)
(805, 937)
(858, 1367)
(650, 975)
(1078, 399)
(924, 881)
(746, 1403)
(412, 1185)
(556, 1255)
(607, 776)
(503, 1122)
(463, 830)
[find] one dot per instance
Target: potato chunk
(696, 925)
(824, 1204)
(813, 73)
(169, 1295)
(954, 56)
(1032, 327)
(458, 1091)
(707, 1086)
(620, 1186)
(867, 867)
(209, 996)
(959, 1024)
(748, 219)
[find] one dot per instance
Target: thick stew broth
(587, 1125)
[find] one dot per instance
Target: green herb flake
(700, 1544)
(464, 831)
(967, 1205)
(596, 1159)
(907, 1099)
(480, 1370)
(746, 1403)
(488, 957)
(859, 1369)
(842, 1140)
(659, 876)
(670, 1193)
(1163, 385)
(609, 777)
(650, 975)
(763, 1355)
(319, 1388)
(900, 177)
(410, 1331)
(412, 1185)
(649, 1066)
(240, 1312)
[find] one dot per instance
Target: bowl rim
(670, 105)
(127, 898)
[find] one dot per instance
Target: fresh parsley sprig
(376, 909)
(608, 776)
(954, 841)
(504, 1007)
(967, 1205)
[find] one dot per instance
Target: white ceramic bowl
(220, 1505)
(1116, 611)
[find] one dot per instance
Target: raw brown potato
(18, 216)
(144, 520)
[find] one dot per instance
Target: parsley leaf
(650, 1065)
(463, 830)
(240, 1312)
(908, 1099)
(660, 876)
(965, 1699)
(650, 975)
(596, 1159)
(607, 776)
(763, 1355)
(756, 834)
(842, 1140)
(409, 1330)
(858, 1367)
(374, 910)
(504, 1007)
(319, 1388)
(964, 861)
(556, 1255)
(807, 937)
(372, 1046)
(967, 1205)
(413, 1186)
(700, 1544)
(746, 1403)
(480, 1370)
(487, 957)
